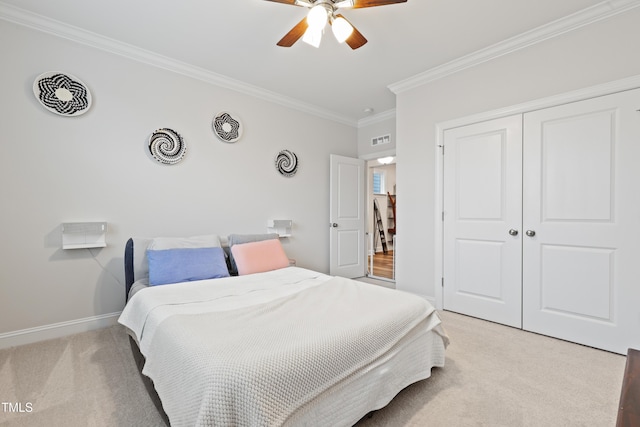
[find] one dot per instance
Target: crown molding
(56, 28)
(587, 16)
(377, 118)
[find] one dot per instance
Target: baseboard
(57, 330)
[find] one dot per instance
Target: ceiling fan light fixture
(312, 36)
(317, 17)
(341, 28)
(323, 12)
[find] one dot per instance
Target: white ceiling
(237, 39)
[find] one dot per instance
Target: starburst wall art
(62, 93)
(227, 127)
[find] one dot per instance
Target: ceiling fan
(322, 12)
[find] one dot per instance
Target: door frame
(441, 127)
(368, 157)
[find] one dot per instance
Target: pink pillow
(256, 257)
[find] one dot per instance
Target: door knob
(334, 224)
(530, 233)
(513, 232)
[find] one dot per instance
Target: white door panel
(482, 179)
(347, 218)
(575, 153)
(566, 271)
(580, 271)
(479, 278)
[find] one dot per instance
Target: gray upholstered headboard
(135, 262)
(129, 277)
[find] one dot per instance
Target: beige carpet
(494, 376)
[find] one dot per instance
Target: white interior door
(347, 217)
(582, 267)
(482, 218)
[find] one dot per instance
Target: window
(378, 183)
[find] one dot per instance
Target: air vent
(380, 140)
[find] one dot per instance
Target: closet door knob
(530, 233)
(513, 232)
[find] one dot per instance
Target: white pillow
(140, 263)
(205, 241)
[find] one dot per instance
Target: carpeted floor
(494, 376)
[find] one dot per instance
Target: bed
(273, 346)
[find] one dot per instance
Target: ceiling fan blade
(356, 39)
(291, 2)
(358, 4)
(294, 35)
(303, 3)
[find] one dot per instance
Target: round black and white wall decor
(167, 146)
(287, 163)
(227, 127)
(62, 93)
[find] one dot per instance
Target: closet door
(581, 268)
(482, 218)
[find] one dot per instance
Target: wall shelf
(280, 226)
(80, 235)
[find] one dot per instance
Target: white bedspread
(251, 350)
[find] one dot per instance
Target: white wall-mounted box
(78, 235)
(280, 226)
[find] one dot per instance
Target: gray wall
(94, 167)
(595, 54)
(380, 125)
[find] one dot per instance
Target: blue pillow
(185, 265)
